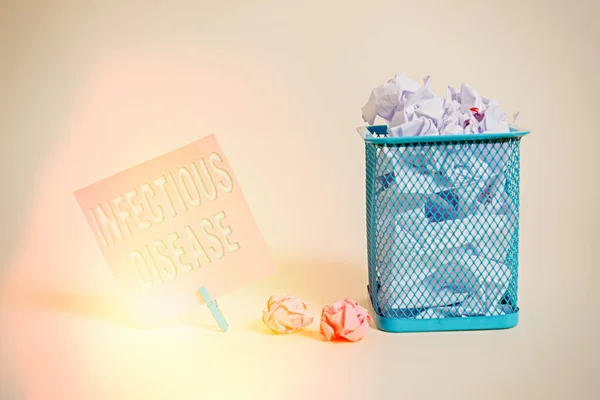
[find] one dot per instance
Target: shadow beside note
(105, 308)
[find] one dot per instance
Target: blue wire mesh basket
(442, 230)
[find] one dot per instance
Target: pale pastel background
(89, 88)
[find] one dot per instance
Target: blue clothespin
(214, 308)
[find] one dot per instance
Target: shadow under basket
(442, 230)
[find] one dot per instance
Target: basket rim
(366, 132)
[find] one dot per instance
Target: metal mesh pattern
(442, 228)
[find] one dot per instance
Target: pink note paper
(173, 224)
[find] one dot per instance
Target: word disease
(188, 240)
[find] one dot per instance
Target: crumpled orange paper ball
(345, 319)
(285, 314)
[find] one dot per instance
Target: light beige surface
(90, 88)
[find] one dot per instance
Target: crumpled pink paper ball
(285, 314)
(345, 319)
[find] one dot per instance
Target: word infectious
(166, 197)
(176, 223)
